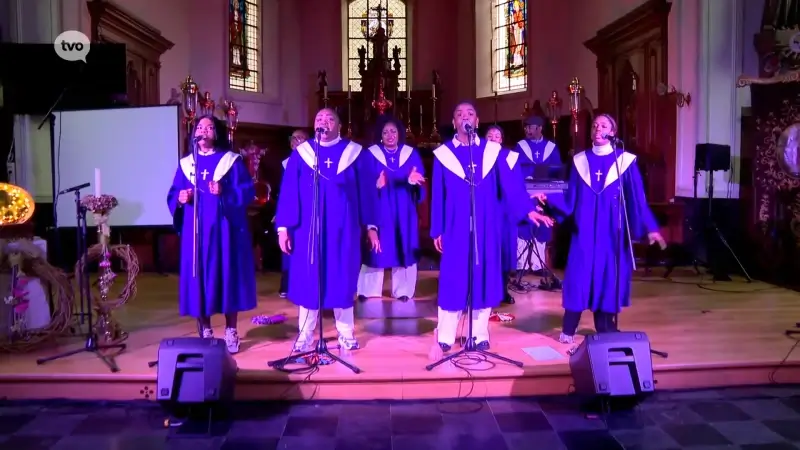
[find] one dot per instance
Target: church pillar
(713, 116)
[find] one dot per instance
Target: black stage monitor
(34, 77)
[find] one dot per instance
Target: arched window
(363, 17)
(244, 45)
(510, 45)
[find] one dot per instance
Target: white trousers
(307, 322)
(539, 248)
(448, 325)
(404, 281)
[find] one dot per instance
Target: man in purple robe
(535, 151)
(297, 138)
(461, 166)
(495, 134)
(400, 180)
(217, 270)
(347, 201)
(599, 265)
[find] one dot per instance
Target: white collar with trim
(602, 150)
(330, 143)
(457, 143)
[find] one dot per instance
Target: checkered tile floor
(752, 418)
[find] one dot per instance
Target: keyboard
(545, 187)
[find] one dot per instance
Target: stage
(718, 337)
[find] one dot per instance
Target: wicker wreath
(55, 280)
(131, 264)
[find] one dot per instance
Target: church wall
(556, 54)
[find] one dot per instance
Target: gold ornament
(16, 205)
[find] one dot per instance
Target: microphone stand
(623, 237)
(314, 256)
(91, 344)
(473, 255)
(196, 275)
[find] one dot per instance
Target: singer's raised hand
(415, 178)
(214, 187)
(184, 196)
(284, 242)
(381, 180)
(541, 197)
(540, 219)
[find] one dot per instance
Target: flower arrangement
(18, 301)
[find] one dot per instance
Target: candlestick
(349, 92)
(97, 182)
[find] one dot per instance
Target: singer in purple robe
(347, 202)
(222, 278)
(593, 280)
(400, 189)
(535, 151)
(297, 138)
(509, 246)
(462, 166)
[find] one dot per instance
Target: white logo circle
(72, 46)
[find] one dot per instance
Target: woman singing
(599, 265)
(400, 189)
(217, 270)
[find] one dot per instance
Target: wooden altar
(360, 107)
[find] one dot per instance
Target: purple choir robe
(398, 220)
(226, 279)
(285, 259)
(593, 200)
(511, 225)
(496, 193)
(533, 153)
(347, 199)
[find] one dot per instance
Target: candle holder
(207, 105)
(101, 206)
(435, 136)
(190, 91)
(349, 132)
(575, 90)
(554, 111)
(231, 118)
(409, 130)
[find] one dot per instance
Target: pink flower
(21, 307)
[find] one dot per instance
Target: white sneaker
(566, 339)
(208, 333)
(303, 344)
(348, 343)
(232, 340)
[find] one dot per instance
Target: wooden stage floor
(731, 335)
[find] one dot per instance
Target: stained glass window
(510, 45)
(363, 17)
(243, 21)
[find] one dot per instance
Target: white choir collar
(603, 150)
(537, 141)
(331, 143)
(457, 143)
(205, 152)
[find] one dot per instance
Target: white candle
(97, 182)
(433, 91)
(349, 93)
(325, 92)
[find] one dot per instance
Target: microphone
(197, 139)
(320, 130)
(612, 139)
(467, 127)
